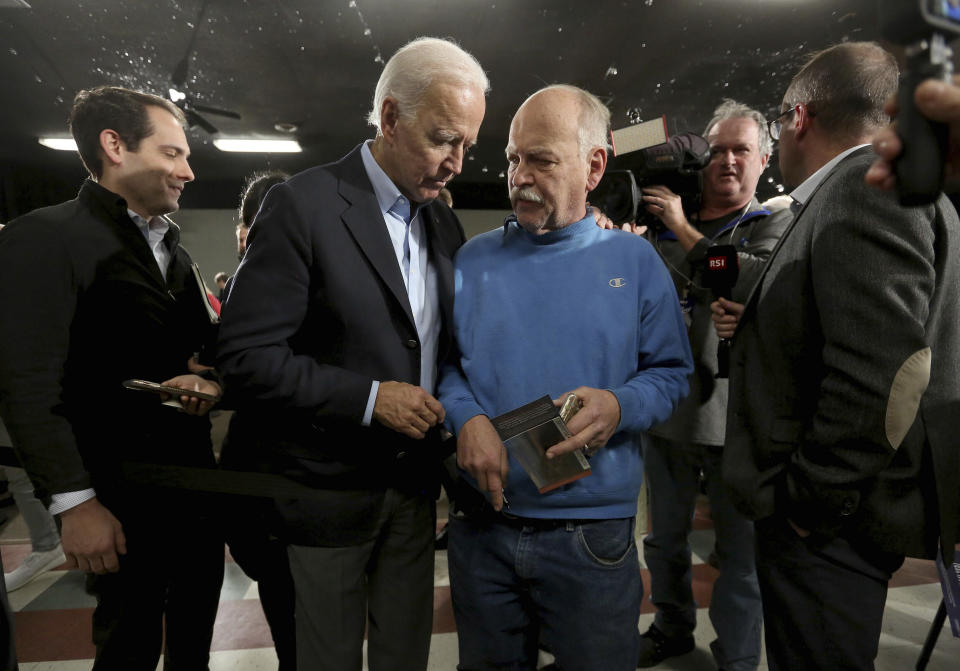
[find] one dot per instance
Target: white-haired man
(691, 441)
(336, 319)
(550, 304)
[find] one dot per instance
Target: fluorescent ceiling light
(258, 146)
(60, 143)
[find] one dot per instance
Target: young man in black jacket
(96, 291)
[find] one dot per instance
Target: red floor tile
(443, 622)
(54, 635)
(701, 514)
(915, 572)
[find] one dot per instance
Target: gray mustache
(525, 194)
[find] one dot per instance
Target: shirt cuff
(371, 400)
(459, 414)
(66, 500)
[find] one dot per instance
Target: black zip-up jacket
(84, 307)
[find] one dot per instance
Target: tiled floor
(53, 617)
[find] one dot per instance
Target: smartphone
(176, 392)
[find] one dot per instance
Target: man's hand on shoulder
(481, 453)
(604, 222)
(191, 404)
(92, 537)
(593, 424)
(407, 409)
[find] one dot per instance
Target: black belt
(246, 483)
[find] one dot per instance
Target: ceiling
(314, 63)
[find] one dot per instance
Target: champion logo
(617, 282)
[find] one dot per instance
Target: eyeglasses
(776, 125)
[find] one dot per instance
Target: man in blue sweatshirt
(552, 304)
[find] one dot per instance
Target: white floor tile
(72, 665)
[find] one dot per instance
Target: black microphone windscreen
(721, 270)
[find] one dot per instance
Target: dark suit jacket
(828, 422)
(317, 312)
(84, 307)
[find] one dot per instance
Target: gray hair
(846, 86)
(731, 109)
(418, 64)
(593, 126)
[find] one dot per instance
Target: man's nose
(184, 172)
(522, 176)
(454, 161)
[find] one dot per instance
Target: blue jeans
(575, 586)
(672, 472)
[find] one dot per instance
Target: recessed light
(257, 146)
(59, 143)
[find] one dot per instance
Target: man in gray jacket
(844, 378)
(691, 441)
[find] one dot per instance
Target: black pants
(822, 600)
(164, 596)
(8, 655)
(251, 528)
(263, 557)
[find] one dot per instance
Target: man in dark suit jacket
(844, 363)
(332, 331)
(96, 291)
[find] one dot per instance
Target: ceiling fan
(188, 103)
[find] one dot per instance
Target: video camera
(643, 156)
(920, 27)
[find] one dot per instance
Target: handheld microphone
(925, 28)
(720, 275)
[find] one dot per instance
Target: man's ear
(597, 163)
(389, 118)
(112, 146)
(764, 161)
(802, 120)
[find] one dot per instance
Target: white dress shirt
(408, 236)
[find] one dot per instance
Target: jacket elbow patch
(907, 389)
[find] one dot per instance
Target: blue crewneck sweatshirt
(544, 314)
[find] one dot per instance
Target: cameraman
(691, 441)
